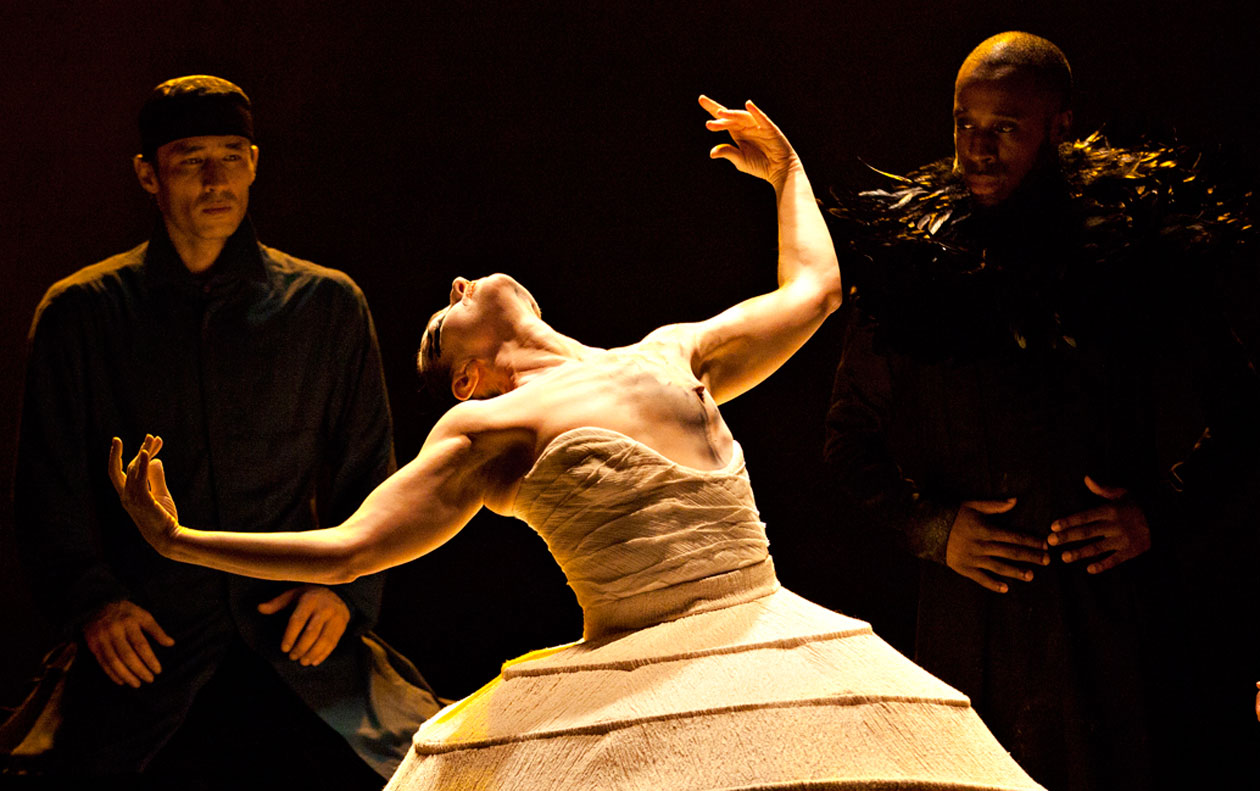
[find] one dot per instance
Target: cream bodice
(641, 538)
(698, 670)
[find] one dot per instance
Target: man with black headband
(267, 368)
(1002, 404)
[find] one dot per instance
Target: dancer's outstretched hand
(143, 493)
(759, 149)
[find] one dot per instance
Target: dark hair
(198, 104)
(434, 370)
(1044, 61)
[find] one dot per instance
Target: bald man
(999, 404)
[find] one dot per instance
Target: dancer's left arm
(733, 351)
(411, 513)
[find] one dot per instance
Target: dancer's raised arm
(491, 338)
(740, 347)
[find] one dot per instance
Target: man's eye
(192, 161)
(963, 124)
(1005, 128)
(231, 157)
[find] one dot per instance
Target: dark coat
(264, 379)
(1011, 353)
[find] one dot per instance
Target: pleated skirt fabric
(772, 693)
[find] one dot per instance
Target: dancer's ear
(467, 376)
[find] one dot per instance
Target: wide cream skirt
(773, 693)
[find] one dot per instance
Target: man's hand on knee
(116, 636)
(318, 621)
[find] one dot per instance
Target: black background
(408, 143)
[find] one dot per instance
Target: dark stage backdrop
(408, 143)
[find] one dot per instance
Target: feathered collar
(938, 273)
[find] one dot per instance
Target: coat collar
(240, 261)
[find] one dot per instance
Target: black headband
(190, 107)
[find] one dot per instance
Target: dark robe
(1010, 352)
(263, 376)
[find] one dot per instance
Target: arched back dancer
(697, 669)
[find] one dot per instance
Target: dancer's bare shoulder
(645, 391)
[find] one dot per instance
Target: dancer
(696, 668)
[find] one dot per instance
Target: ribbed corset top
(641, 538)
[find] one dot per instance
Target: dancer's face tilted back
(481, 316)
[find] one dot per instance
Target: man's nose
(212, 173)
(983, 146)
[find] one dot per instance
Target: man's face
(1005, 128)
(201, 184)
